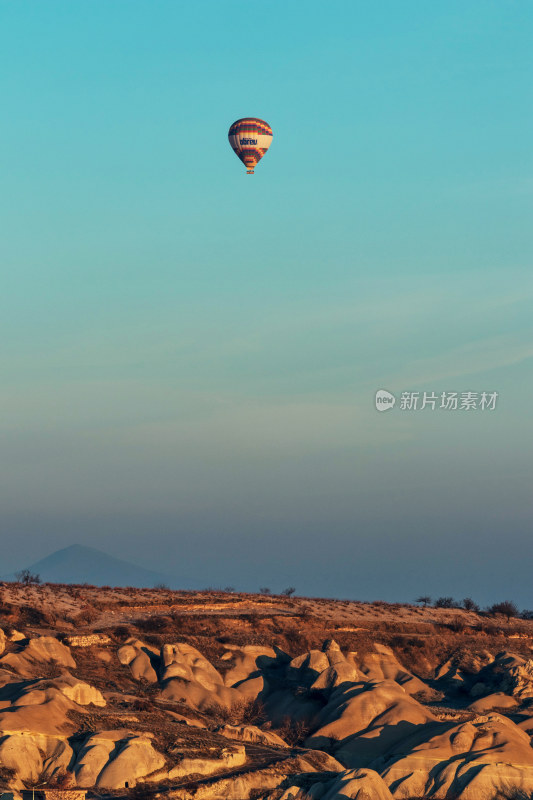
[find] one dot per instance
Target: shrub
(457, 625)
(163, 623)
(507, 608)
(6, 775)
(294, 732)
(26, 577)
(424, 599)
(60, 780)
(86, 616)
(30, 615)
(469, 605)
(244, 712)
(252, 712)
(445, 602)
(122, 632)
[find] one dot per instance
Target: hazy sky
(189, 355)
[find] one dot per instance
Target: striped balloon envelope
(250, 138)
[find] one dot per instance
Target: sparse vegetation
(6, 776)
(469, 605)
(425, 600)
(445, 602)
(506, 608)
(86, 616)
(60, 780)
(294, 732)
(26, 577)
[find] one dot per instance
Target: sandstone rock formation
(230, 757)
(329, 723)
(253, 734)
(142, 660)
(114, 759)
(36, 652)
(359, 723)
(477, 760)
(383, 665)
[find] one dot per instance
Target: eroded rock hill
(136, 707)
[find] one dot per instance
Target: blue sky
(190, 354)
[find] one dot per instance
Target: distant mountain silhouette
(80, 564)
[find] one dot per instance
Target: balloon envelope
(250, 138)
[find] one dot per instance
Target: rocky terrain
(155, 693)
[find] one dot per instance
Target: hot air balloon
(250, 138)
